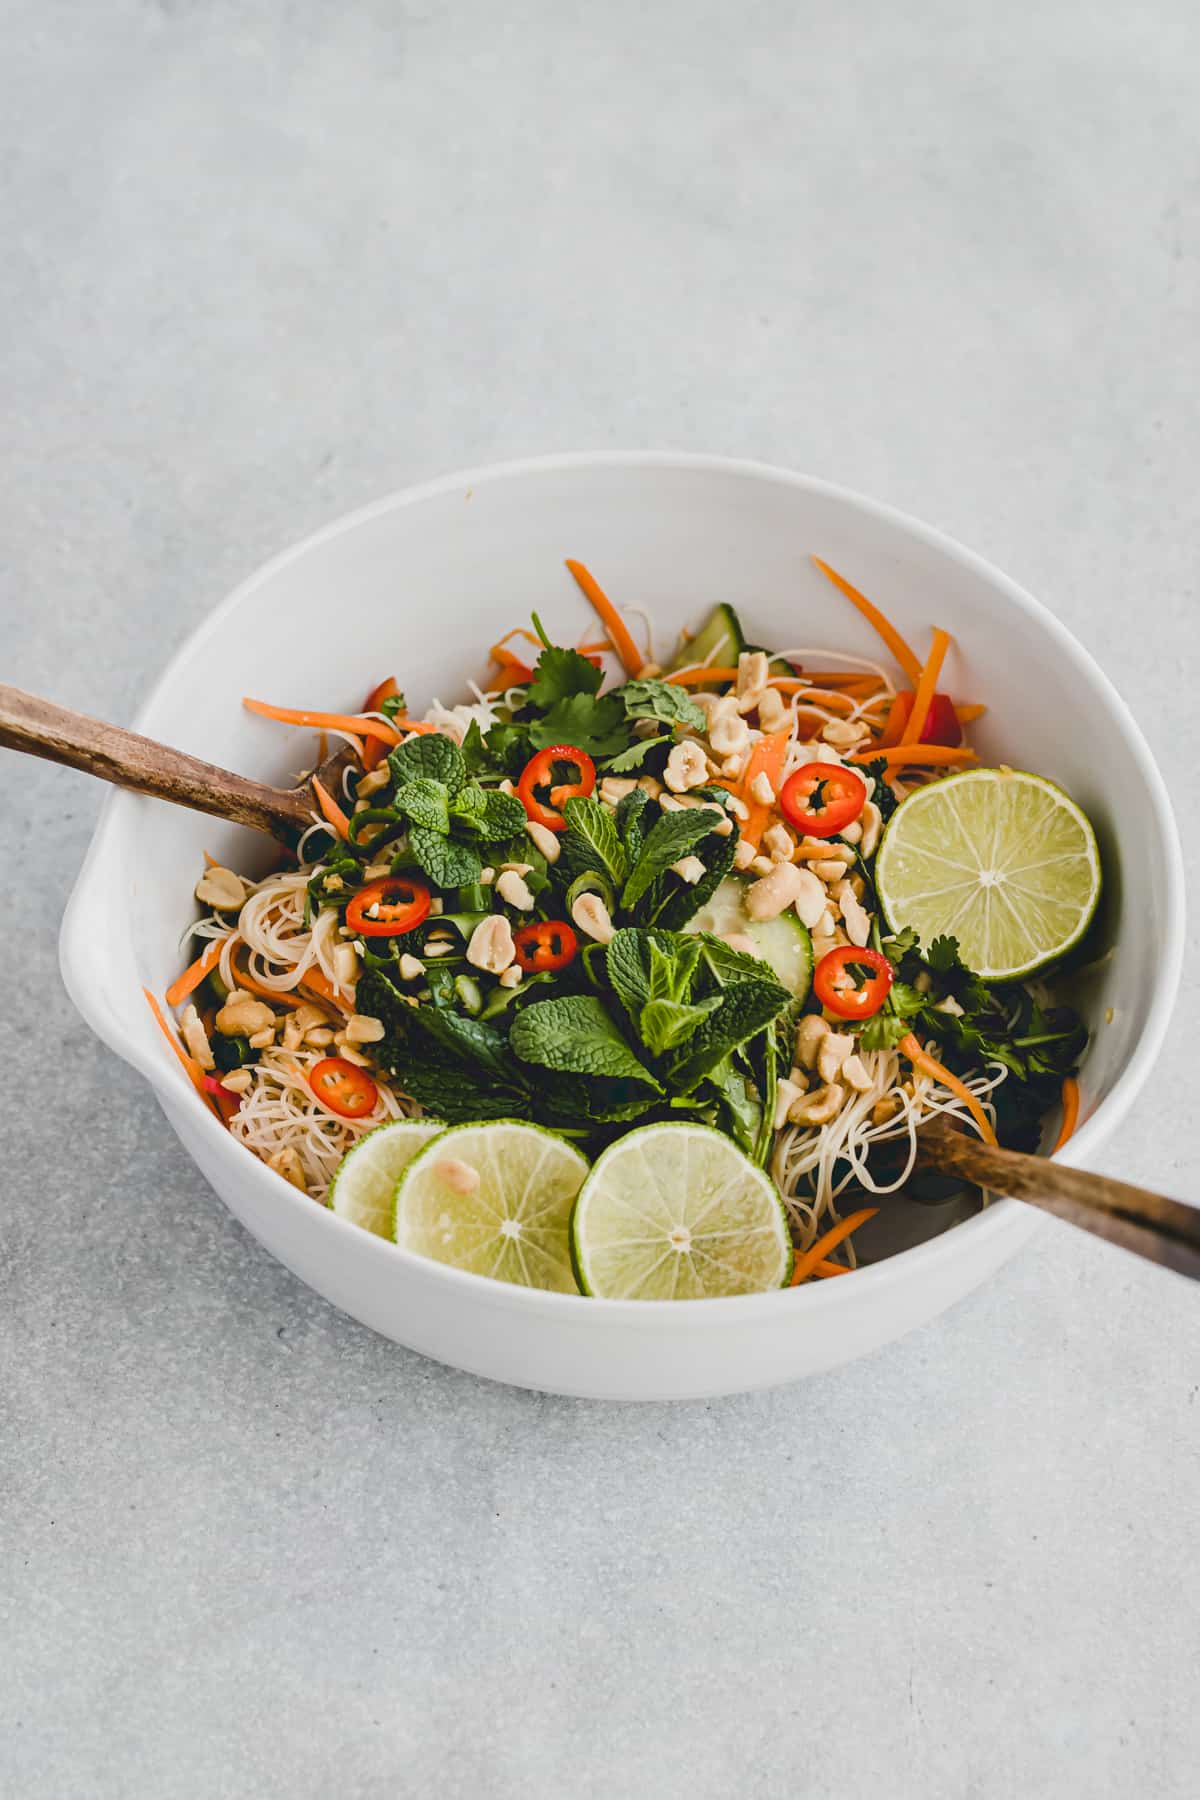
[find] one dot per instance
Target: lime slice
(364, 1185)
(1003, 861)
(495, 1199)
(676, 1212)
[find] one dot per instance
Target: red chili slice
(545, 947)
(390, 907)
(375, 749)
(343, 1087)
(539, 773)
(384, 691)
(821, 799)
(942, 724)
(852, 983)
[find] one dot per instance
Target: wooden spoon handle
(1163, 1230)
(40, 728)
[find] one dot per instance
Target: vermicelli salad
(649, 971)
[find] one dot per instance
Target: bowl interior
(420, 587)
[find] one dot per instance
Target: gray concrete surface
(265, 259)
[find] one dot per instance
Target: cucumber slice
(784, 942)
(721, 633)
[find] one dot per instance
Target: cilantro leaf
(883, 1031)
(596, 726)
(560, 675)
(883, 794)
(663, 700)
(637, 754)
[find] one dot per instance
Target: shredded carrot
(192, 976)
(825, 1269)
(887, 631)
(513, 672)
(967, 715)
(324, 721)
(210, 862)
(926, 687)
(807, 1260)
(1070, 1107)
(900, 754)
(331, 809)
(194, 1072)
(622, 638)
(899, 714)
(700, 675)
(921, 1059)
(315, 981)
(766, 758)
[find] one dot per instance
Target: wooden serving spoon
(1163, 1230)
(40, 728)
(1151, 1225)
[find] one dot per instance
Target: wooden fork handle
(1151, 1225)
(40, 728)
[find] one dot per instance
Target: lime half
(676, 1212)
(1003, 861)
(364, 1186)
(495, 1199)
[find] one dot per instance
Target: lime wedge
(364, 1186)
(495, 1199)
(676, 1212)
(1003, 861)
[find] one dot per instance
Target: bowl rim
(1007, 1223)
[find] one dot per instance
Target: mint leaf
(671, 838)
(469, 803)
(626, 962)
(665, 1023)
(687, 900)
(433, 756)
(596, 726)
(663, 700)
(631, 812)
(744, 1011)
(576, 1033)
(447, 863)
(590, 842)
(561, 674)
(503, 817)
(732, 965)
(672, 967)
(424, 802)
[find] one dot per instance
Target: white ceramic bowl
(419, 585)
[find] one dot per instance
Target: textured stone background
(266, 259)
